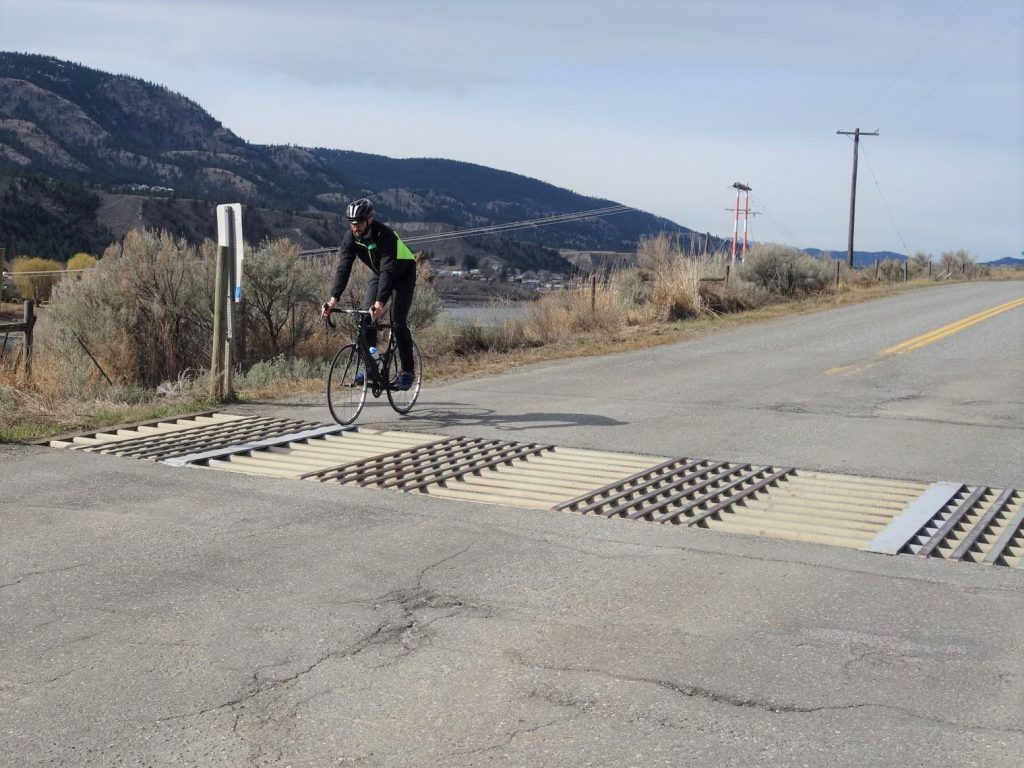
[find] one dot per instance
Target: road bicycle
(346, 398)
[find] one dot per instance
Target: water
(484, 315)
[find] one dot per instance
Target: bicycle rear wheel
(345, 398)
(402, 400)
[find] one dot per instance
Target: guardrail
(28, 321)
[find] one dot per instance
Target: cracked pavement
(235, 621)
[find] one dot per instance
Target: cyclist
(394, 272)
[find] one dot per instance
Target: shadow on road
(457, 415)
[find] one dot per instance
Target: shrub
(266, 373)
(144, 313)
(456, 339)
(956, 263)
(674, 278)
(891, 270)
(785, 272)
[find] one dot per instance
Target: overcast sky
(657, 104)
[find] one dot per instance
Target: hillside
(153, 157)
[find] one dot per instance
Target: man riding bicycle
(394, 272)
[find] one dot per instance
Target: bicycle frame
(377, 381)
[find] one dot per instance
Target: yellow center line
(926, 338)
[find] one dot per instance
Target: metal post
(229, 324)
(739, 187)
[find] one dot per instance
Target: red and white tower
(745, 190)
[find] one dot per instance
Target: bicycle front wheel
(345, 398)
(402, 400)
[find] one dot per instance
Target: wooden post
(837, 273)
(906, 271)
(29, 319)
(929, 269)
(876, 269)
(219, 299)
(593, 293)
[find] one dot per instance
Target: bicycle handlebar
(330, 323)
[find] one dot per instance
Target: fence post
(29, 319)
(876, 269)
(727, 265)
(837, 274)
(593, 292)
(906, 271)
(929, 269)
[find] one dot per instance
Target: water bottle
(375, 354)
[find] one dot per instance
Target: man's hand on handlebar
(325, 312)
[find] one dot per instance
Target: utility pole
(856, 133)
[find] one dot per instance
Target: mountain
(104, 152)
(1007, 261)
(860, 258)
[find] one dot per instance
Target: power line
(917, 55)
(764, 209)
(495, 229)
(46, 272)
(885, 204)
(962, 67)
(510, 226)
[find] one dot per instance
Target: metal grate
(434, 463)
(676, 491)
(957, 522)
(943, 520)
(189, 439)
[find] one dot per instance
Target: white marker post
(231, 246)
(229, 234)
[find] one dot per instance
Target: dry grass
(631, 309)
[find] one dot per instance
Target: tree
(282, 291)
(957, 262)
(35, 277)
(919, 263)
(81, 261)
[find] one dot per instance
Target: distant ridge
(860, 258)
(116, 135)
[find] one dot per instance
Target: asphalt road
(164, 616)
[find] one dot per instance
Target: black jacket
(383, 251)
